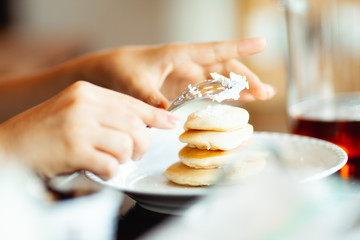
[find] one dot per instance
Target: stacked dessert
(214, 137)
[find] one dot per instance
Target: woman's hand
(153, 74)
(83, 127)
(156, 74)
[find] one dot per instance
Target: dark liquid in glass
(335, 122)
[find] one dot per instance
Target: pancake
(218, 118)
(201, 158)
(181, 174)
(246, 167)
(250, 165)
(214, 140)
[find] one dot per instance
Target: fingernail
(112, 169)
(137, 158)
(153, 100)
(271, 91)
(173, 120)
(263, 40)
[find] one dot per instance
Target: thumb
(144, 89)
(155, 98)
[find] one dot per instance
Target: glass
(324, 73)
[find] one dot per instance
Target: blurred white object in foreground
(270, 207)
(27, 213)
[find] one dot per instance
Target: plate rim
(341, 156)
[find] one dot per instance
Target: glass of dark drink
(323, 98)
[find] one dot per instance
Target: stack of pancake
(214, 138)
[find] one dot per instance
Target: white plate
(308, 159)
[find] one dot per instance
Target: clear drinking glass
(324, 73)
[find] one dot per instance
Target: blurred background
(39, 33)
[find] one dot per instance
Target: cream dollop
(234, 85)
(232, 88)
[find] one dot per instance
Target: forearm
(20, 93)
(4, 141)
(2, 153)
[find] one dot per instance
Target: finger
(154, 97)
(257, 88)
(152, 116)
(149, 115)
(179, 80)
(153, 78)
(100, 163)
(113, 142)
(158, 118)
(148, 94)
(115, 103)
(246, 96)
(215, 52)
(130, 141)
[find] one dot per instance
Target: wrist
(10, 146)
(4, 151)
(91, 68)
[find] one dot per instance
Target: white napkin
(26, 213)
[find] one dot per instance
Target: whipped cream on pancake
(210, 111)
